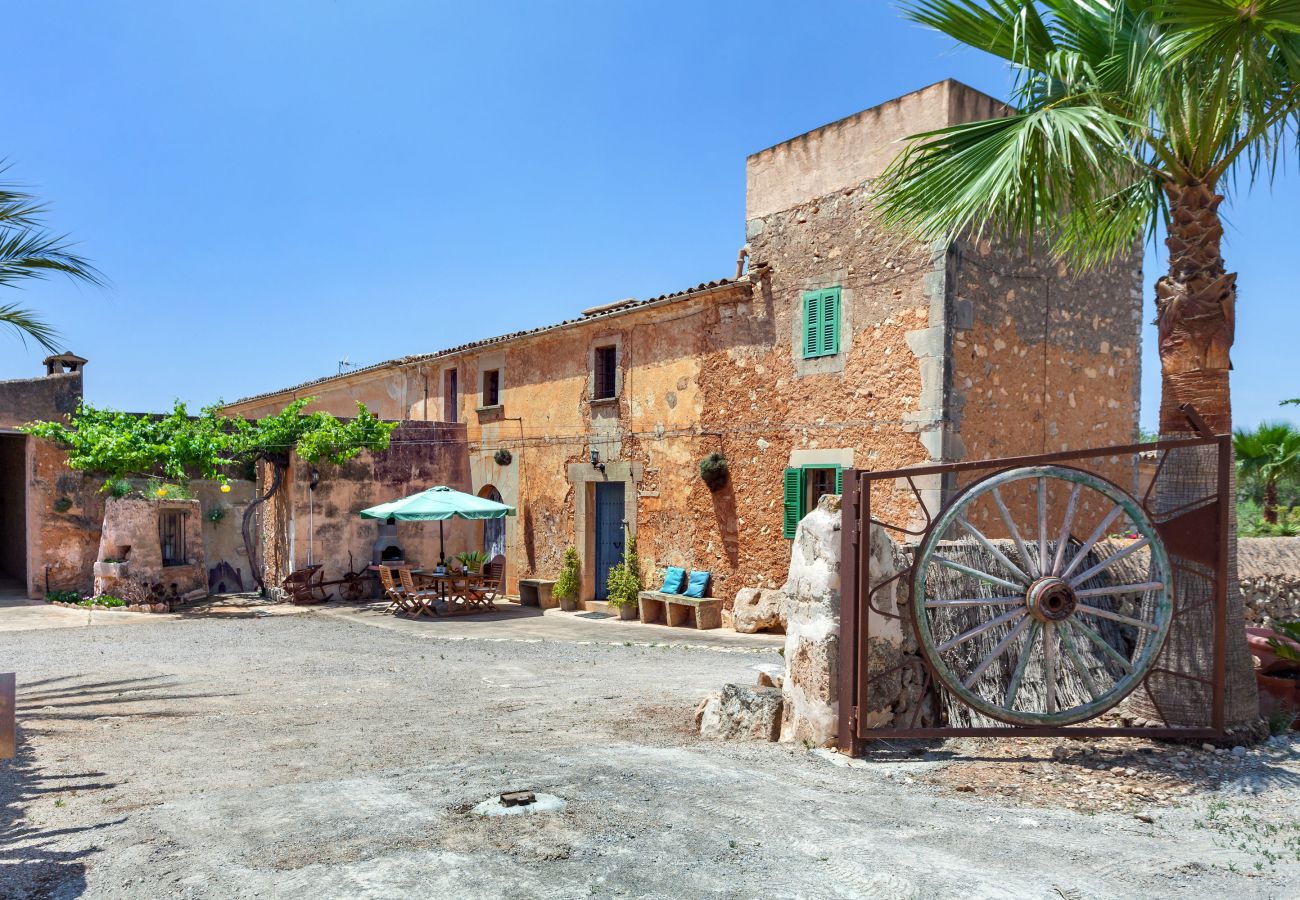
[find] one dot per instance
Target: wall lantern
(595, 460)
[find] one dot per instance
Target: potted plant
(713, 469)
(472, 561)
(1277, 670)
(569, 581)
(624, 584)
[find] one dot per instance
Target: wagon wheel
(1037, 610)
(353, 587)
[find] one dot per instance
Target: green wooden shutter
(821, 323)
(830, 322)
(812, 332)
(793, 501)
(839, 480)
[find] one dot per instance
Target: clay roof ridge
(612, 310)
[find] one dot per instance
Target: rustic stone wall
(1044, 360)
(63, 508)
(721, 369)
(1269, 570)
(130, 553)
(324, 525)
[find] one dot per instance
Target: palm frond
(1011, 29)
(1115, 99)
(27, 325)
(27, 253)
(1019, 176)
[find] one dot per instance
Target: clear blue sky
(273, 187)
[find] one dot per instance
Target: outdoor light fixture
(595, 460)
(315, 479)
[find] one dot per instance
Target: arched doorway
(494, 530)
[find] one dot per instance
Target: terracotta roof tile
(596, 313)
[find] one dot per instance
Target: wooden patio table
(444, 584)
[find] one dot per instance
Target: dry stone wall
(1269, 571)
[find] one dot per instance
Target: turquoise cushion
(698, 583)
(673, 580)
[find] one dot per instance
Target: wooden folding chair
(423, 603)
(397, 600)
(493, 584)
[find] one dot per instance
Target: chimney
(63, 363)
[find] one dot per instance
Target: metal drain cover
(519, 803)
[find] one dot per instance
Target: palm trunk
(1270, 502)
(1195, 305)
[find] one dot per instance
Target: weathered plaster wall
(61, 542)
(857, 148)
(130, 538)
(324, 525)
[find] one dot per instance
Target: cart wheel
(352, 588)
(1036, 606)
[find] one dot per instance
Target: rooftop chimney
(61, 363)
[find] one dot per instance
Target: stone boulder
(740, 712)
(759, 609)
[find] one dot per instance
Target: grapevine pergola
(179, 446)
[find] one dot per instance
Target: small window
(171, 536)
(606, 373)
(803, 488)
(451, 397)
(492, 387)
(821, 323)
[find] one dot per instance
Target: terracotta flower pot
(1278, 694)
(1278, 679)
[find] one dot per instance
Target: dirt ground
(316, 755)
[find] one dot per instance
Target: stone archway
(494, 530)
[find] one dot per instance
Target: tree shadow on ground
(105, 698)
(33, 861)
(36, 860)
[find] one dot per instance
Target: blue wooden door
(609, 532)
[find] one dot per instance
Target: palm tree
(1131, 117)
(1268, 453)
(27, 251)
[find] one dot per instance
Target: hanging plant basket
(713, 469)
(503, 457)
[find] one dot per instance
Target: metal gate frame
(1198, 534)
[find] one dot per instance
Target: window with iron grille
(606, 373)
(492, 387)
(171, 535)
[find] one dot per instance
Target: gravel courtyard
(331, 754)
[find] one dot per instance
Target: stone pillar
(811, 708)
(810, 713)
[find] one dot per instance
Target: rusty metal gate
(1068, 594)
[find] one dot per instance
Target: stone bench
(674, 609)
(536, 592)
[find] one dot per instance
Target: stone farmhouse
(834, 345)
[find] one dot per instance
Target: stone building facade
(51, 518)
(840, 346)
